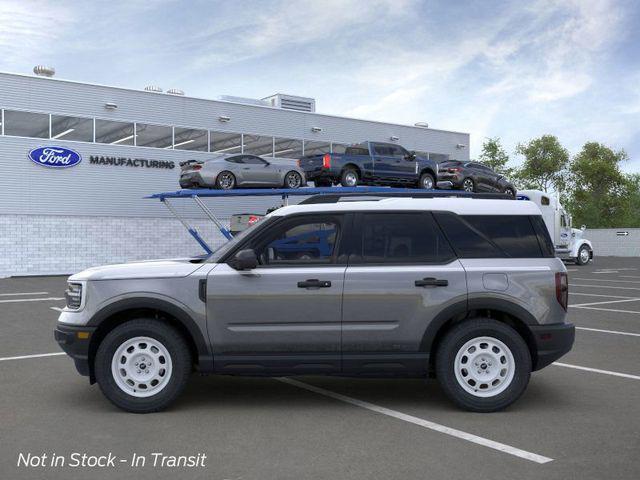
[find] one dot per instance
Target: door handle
(314, 283)
(431, 282)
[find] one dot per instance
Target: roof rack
(373, 196)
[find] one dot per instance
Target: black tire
(222, 183)
(179, 354)
(509, 191)
(579, 258)
(346, 179)
(289, 184)
(426, 182)
(454, 341)
(468, 185)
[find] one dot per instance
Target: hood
(180, 267)
(577, 233)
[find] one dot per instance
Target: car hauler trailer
(568, 241)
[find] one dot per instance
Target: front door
(285, 314)
(401, 276)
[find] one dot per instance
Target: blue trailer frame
(335, 193)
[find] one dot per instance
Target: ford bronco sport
(464, 289)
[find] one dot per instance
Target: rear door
(402, 273)
(383, 160)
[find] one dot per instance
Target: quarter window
(514, 234)
(412, 238)
(26, 124)
(467, 241)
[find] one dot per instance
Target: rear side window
(467, 241)
(402, 238)
(357, 151)
(544, 239)
(513, 234)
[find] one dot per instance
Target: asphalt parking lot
(578, 419)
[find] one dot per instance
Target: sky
(514, 70)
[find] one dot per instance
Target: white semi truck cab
(568, 241)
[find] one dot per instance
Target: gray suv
(464, 289)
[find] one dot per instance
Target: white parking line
(607, 280)
(605, 302)
(604, 286)
(57, 309)
(533, 457)
(16, 300)
(23, 293)
(615, 332)
(608, 309)
(23, 357)
(597, 370)
(597, 295)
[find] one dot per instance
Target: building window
(226, 142)
(258, 145)
(71, 128)
(316, 148)
(26, 124)
(115, 133)
(157, 136)
(338, 147)
(287, 148)
(190, 139)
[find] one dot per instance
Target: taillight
(252, 219)
(454, 170)
(298, 162)
(562, 289)
(326, 161)
(196, 167)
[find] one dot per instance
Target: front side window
(404, 238)
(26, 124)
(302, 242)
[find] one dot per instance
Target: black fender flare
(462, 308)
(205, 356)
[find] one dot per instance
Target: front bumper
(552, 342)
(75, 341)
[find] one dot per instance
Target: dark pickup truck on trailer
(371, 163)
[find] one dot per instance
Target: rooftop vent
(44, 71)
(291, 102)
(422, 124)
(153, 88)
(175, 91)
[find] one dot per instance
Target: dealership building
(128, 144)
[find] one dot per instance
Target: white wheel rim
(427, 183)
(468, 186)
(484, 367)
(141, 367)
(351, 179)
(226, 181)
(584, 255)
(293, 180)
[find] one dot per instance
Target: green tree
(600, 194)
(495, 157)
(545, 164)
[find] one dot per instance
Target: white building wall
(612, 242)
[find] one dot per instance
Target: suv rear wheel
(142, 365)
(483, 365)
(468, 185)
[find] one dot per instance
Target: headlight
(73, 294)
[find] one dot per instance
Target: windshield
(223, 249)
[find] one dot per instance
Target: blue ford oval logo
(56, 157)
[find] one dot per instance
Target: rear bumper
(75, 345)
(456, 181)
(191, 180)
(319, 173)
(552, 342)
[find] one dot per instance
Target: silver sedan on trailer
(241, 170)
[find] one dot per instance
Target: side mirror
(410, 156)
(583, 228)
(244, 260)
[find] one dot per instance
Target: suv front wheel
(483, 365)
(142, 365)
